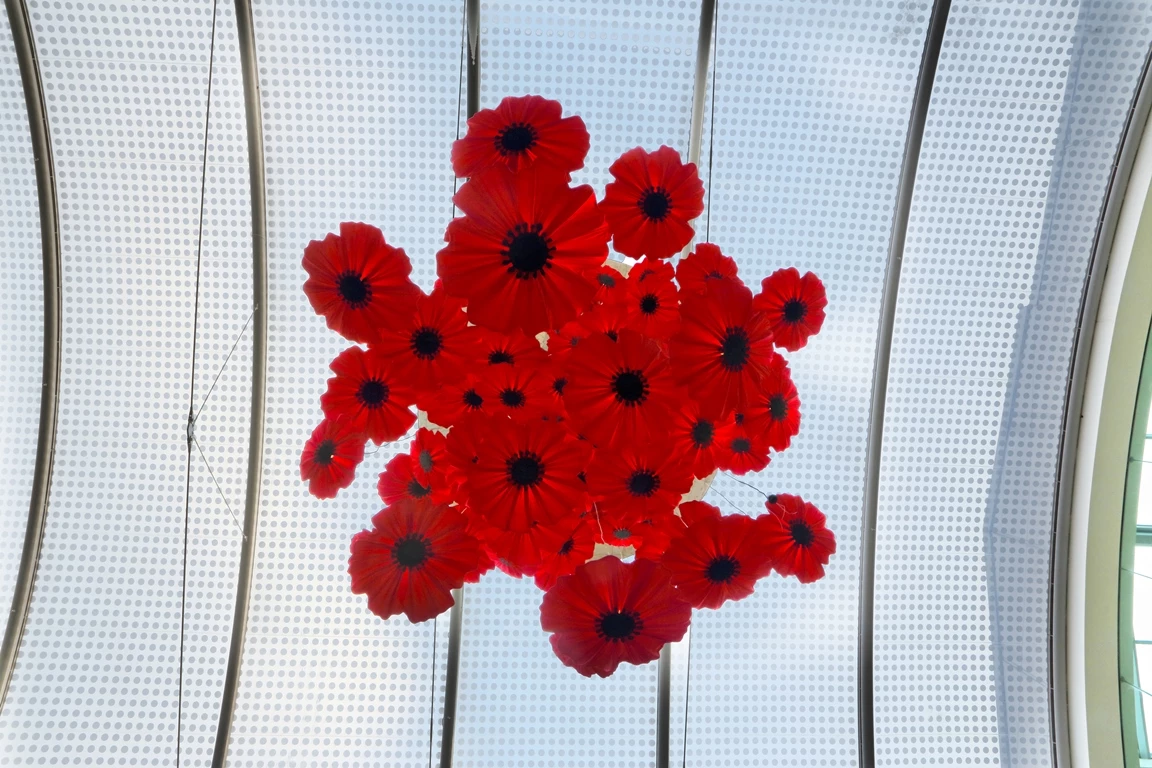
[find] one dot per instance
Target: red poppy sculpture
(568, 405)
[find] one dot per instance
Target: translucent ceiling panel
(812, 101)
(359, 102)
(626, 69)
(21, 315)
(96, 680)
(1029, 104)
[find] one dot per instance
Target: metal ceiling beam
(254, 124)
(21, 26)
(921, 100)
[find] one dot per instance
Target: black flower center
(513, 398)
(772, 498)
(734, 349)
(619, 625)
(649, 304)
(424, 458)
(741, 445)
(794, 310)
(324, 452)
(372, 393)
(801, 533)
(655, 203)
(630, 386)
(778, 407)
(621, 534)
(527, 251)
(722, 568)
(411, 551)
(354, 289)
(473, 400)
(606, 280)
(643, 482)
(567, 546)
(702, 433)
(559, 384)
(517, 137)
(426, 343)
(416, 490)
(525, 469)
(498, 356)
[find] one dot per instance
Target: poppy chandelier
(567, 403)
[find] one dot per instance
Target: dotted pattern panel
(21, 314)
(96, 680)
(812, 105)
(1029, 103)
(626, 69)
(360, 102)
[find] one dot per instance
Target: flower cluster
(568, 403)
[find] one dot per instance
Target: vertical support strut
(21, 25)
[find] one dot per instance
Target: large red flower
(774, 413)
(526, 473)
(358, 282)
(432, 346)
(718, 559)
(793, 304)
(723, 349)
(651, 201)
(652, 299)
(398, 482)
(415, 555)
(457, 400)
(330, 457)
(797, 538)
(693, 436)
(609, 612)
(619, 392)
(525, 253)
(703, 267)
(367, 391)
(739, 450)
(524, 131)
(639, 480)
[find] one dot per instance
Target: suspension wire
(219, 490)
(687, 690)
(224, 365)
(192, 391)
(731, 476)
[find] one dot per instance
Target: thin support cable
(456, 616)
(254, 125)
(432, 698)
(192, 393)
(921, 100)
(223, 365)
(21, 26)
(219, 490)
(687, 699)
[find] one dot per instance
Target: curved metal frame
(21, 25)
(254, 124)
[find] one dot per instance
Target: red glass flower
(432, 346)
(562, 548)
(652, 300)
(330, 457)
(794, 306)
(358, 282)
(397, 481)
(694, 437)
(774, 413)
(415, 555)
(797, 538)
(608, 612)
(739, 450)
(718, 559)
(639, 479)
(619, 392)
(651, 202)
(510, 349)
(723, 348)
(525, 253)
(367, 391)
(519, 392)
(457, 400)
(703, 267)
(524, 131)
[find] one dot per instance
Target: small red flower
(397, 481)
(608, 612)
(705, 266)
(619, 392)
(520, 392)
(562, 547)
(694, 437)
(797, 538)
(639, 480)
(510, 349)
(430, 462)
(608, 281)
(608, 318)
(774, 414)
(739, 450)
(358, 282)
(526, 473)
(794, 306)
(415, 555)
(718, 559)
(723, 349)
(432, 346)
(457, 400)
(525, 253)
(330, 457)
(367, 391)
(651, 201)
(654, 306)
(524, 131)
